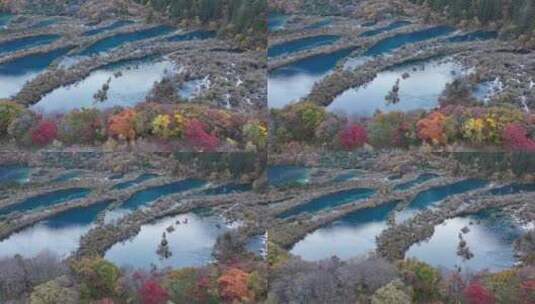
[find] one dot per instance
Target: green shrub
(9, 111)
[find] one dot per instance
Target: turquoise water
(490, 239)
(434, 196)
(389, 44)
(27, 43)
(140, 179)
(228, 189)
(513, 189)
(196, 35)
(474, 36)
(14, 74)
(4, 19)
(59, 234)
(46, 199)
(280, 176)
(191, 243)
(348, 237)
(118, 40)
(329, 201)
(290, 83)
(276, 22)
(366, 100)
(302, 44)
(113, 26)
(422, 178)
(14, 174)
(391, 26)
(148, 196)
(128, 88)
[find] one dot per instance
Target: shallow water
(131, 87)
(366, 100)
(113, 26)
(292, 82)
(329, 201)
(350, 236)
(191, 243)
(118, 40)
(302, 44)
(513, 189)
(46, 199)
(320, 24)
(14, 174)
(279, 176)
(4, 19)
(26, 43)
(14, 74)
(276, 22)
(59, 234)
(196, 35)
(490, 239)
(435, 195)
(148, 196)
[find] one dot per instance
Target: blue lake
(148, 196)
(302, 44)
(46, 199)
(191, 243)
(118, 40)
(490, 239)
(391, 26)
(113, 26)
(348, 237)
(59, 234)
(14, 174)
(14, 74)
(279, 176)
(329, 201)
(130, 83)
(292, 82)
(434, 196)
(4, 19)
(366, 100)
(26, 43)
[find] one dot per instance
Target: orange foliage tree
(233, 285)
(122, 125)
(431, 129)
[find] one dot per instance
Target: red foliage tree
(199, 138)
(44, 133)
(528, 291)
(516, 138)
(353, 136)
(476, 293)
(233, 285)
(152, 293)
